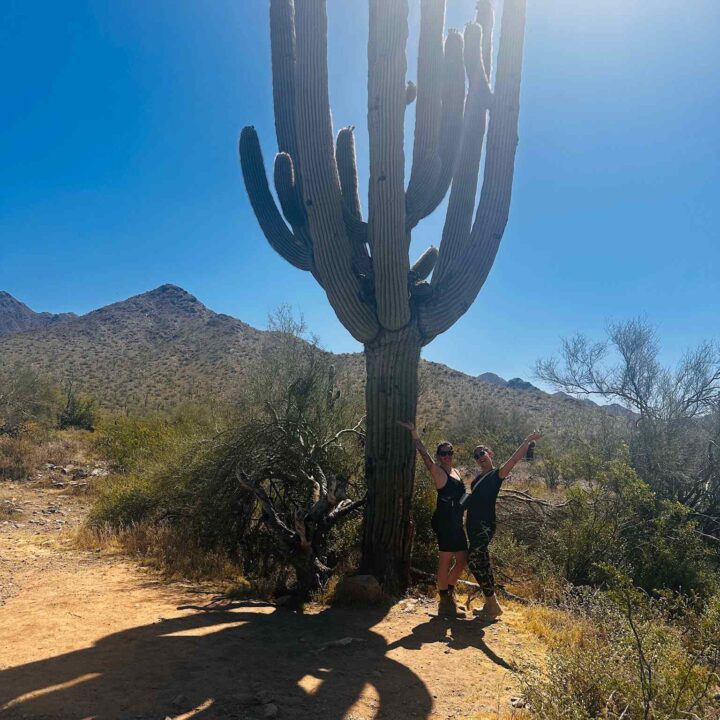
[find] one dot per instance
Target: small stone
(518, 702)
(271, 710)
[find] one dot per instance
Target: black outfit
(447, 520)
(481, 523)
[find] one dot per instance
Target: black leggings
(479, 561)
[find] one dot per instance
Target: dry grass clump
(164, 549)
(21, 456)
(620, 654)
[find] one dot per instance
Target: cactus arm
(278, 234)
(285, 185)
(428, 108)
(431, 193)
(347, 170)
(332, 249)
(468, 272)
(283, 57)
(352, 213)
(485, 18)
(386, 120)
(459, 218)
(424, 265)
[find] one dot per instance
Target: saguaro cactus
(363, 265)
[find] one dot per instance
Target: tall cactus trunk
(391, 395)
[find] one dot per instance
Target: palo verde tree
(363, 263)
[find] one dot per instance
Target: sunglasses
(480, 454)
(445, 453)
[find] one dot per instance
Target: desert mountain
(164, 347)
(16, 317)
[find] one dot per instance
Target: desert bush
(621, 654)
(79, 410)
(26, 397)
(266, 486)
(611, 516)
(19, 457)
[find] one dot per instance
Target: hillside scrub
(265, 482)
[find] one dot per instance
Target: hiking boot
(446, 605)
(492, 607)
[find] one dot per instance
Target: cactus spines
(428, 107)
(485, 17)
(363, 265)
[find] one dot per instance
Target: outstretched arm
(518, 455)
(437, 473)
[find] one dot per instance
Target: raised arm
(518, 455)
(438, 474)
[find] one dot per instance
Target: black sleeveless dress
(447, 520)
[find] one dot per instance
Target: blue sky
(119, 171)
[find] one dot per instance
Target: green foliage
(615, 518)
(78, 412)
(26, 396)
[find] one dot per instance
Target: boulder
(358, 589)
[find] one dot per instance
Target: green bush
(612, 517)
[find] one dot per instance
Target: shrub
(621, 654)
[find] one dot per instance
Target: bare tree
(675, 440)
(363, 264)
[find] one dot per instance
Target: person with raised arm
(481, 520)
(447, 520)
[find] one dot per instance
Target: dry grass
(163, 549)
(21, 457)
(556, 628)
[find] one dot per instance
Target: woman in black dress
(447, 521)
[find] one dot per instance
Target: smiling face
(444, 455)
(483, 457)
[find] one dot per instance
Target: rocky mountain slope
(16, 317)
(165, 347)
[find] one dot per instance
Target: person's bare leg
(444, 560)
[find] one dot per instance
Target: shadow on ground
(227, 660)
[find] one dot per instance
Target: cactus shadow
(224, 660)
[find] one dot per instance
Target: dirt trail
(83, 635)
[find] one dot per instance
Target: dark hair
(443, 444)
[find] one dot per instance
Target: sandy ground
(85, 635)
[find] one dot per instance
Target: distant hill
(164, 347)
(16, 317)
(158, 348)
(514, 383)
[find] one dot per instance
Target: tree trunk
(391, 395)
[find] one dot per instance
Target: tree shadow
(228, 659)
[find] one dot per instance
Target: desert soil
(85, 634)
